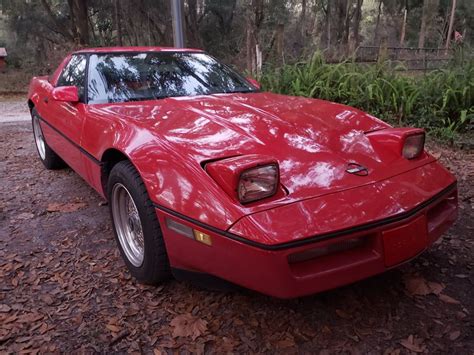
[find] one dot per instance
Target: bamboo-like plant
(442, 101)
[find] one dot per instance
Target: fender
(170, 178)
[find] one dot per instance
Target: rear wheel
(47, 156)
(136, 227)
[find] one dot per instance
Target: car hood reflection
(313, 140)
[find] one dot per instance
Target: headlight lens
(413, 146)
(257, 183)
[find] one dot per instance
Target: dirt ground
(64, 287)
(13, 108)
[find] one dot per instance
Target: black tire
(155, 265)
(49, 159)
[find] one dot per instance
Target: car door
(67, 118)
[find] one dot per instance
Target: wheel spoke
(128, 225)
(39, 138)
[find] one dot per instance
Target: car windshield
(123, 77)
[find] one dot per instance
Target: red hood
(313, 140)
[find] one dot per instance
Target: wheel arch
(33, 100)
(109, 159)
(31, 104)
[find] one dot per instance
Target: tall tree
(338, 17)
(451, 23)
(328, 23)
(429, 11)
(60, 27)
(254, 21)
(118, 23)
(80, 19)
(357, 18)
(377, 24)
(303, 16)
(192, 21)
(404, 25)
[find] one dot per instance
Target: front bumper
(316, 264)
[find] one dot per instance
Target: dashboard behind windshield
(126, 77)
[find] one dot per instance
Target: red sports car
(207, 175)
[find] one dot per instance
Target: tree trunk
(250, 47)
(404, 27)
(430, 9)
(346, 13)
(377, 25)
(59, 27)
(339, 20)
(451, 22)
(328, 25)
(357, 18)
(280, 42)
(193, 24)
(254, 21)
(303, 17)
(78, 10)
(424, 15)
(117, 22)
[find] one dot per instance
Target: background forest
(378, 55)
(283, 30)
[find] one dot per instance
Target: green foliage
(441, 101)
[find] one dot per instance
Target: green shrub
(442, 101)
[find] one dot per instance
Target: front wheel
(47, 156)
(136, 227)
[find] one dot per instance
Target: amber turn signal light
(183, 229)
(202, 237)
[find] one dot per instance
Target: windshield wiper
(243, 91)
(146, 98)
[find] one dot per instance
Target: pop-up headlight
(257, 183)
(413, 145)
(247, 178)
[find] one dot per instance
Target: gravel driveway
(63, 286)
(13, 109)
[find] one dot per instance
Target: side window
(74, 74)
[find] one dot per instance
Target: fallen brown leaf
(461, 315)
(43, 329)
(419, 286)
(113, 328)
(4, 308)
(47, 299)
(435, 287)
(187, 325)
(412, 344)
(122, 335)
(65, 207)
(448, 299)
(285, 343)
(25, 215)
(227, 345)
(342, 314)
(31, 317)
(10, 319)
(454, 335)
